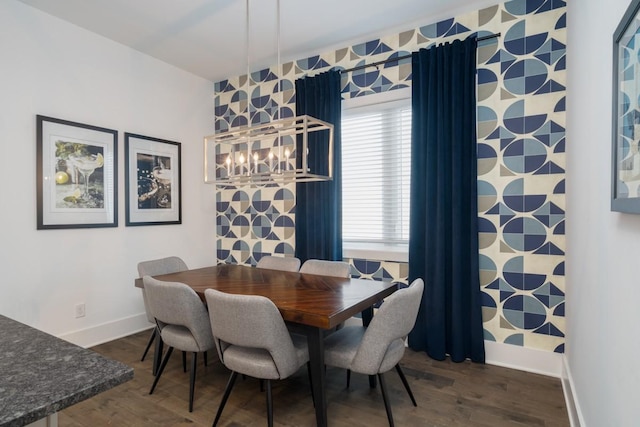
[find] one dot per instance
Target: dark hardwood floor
(448, 394)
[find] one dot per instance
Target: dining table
(310, 304)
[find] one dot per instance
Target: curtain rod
(375, 64)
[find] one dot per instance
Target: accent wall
(521, 166)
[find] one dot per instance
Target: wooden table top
(308, 299)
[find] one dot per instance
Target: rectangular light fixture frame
(266, 153)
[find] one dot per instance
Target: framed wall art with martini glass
(76, 175)
(625, 180)
(152, 181)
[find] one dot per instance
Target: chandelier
(277, 152)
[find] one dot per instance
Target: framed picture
(625, 191)
(76, 175)
(152, 181)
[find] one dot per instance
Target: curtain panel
(443, 243)
(319, 204)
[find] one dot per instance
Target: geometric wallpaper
(521, 159)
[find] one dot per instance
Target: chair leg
(192, 379)
(387, 404)
(157, 354)
(348, 377)
(151, 338)
(406, 384)
(162, 366)
(269, 405)
(227, 391)
(184, 361)
(205, 358)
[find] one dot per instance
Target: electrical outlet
(80, 310)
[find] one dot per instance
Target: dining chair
(156, 267)
(279, 263)
(183, 323)
(378, 348)
(326, 268)
(252, 339)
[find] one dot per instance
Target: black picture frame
(76, 175)
(153, 181)
(625, 157)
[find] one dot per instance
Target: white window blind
(376, 159)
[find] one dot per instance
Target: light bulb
(286, 155)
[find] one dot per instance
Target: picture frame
(625, 170)
(76, 175)
(153, 181)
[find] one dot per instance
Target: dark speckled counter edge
(41, 374)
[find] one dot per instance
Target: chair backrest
(156, 267)
(279, 263)
(251, 321)
(389, 327)
(325, 268)
(174, 303)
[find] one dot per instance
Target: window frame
(398, 252)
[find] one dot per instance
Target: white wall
(53, 68)
(603, 247)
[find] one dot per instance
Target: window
(376, 159)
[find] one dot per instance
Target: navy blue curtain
(319, 204)
(443, 239)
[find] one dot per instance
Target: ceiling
(208, 37)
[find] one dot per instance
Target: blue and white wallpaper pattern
(521, 147)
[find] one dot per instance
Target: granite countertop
(41, 374)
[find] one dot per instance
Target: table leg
(373, 381)
(367, 315)
(315, 341)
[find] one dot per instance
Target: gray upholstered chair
(325, 268)
(252, 339)
(279, 263)
(379, 347)
(156, 267)
(183, 322)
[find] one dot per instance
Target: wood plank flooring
(448, 394)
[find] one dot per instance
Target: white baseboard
(109, 331)
(573, 408)
(523, 358)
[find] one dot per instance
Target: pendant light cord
(280, 68)
(248, 71)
